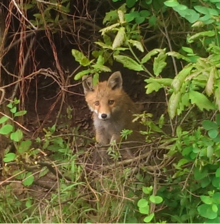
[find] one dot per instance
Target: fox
(112, 109)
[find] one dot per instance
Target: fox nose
(104, 116)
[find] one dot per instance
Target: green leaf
(154, 86)
(159, 63)
(217, 172)
(173, 104)
(79, 57)
(216, 198)
(171, 3)
(180, 77)
(191, 39)
(144, 210)
(206, 211)
(110, 16)
(20, 113)
(9, 157)
(6, 129)
(218, 119)
(200, 174)
(127, 62)
(102, 68)
(209, 125)
(3, 119)
(151, 53)
(201, 101)
(119, 39)
(136, 44)
(156, 199)
(79, 75)
(147, 190)
(24, 146)
(210, 83)
(206, 199)
(13, 110)
(130, 3)
(28, 180)
(142, 203)
(16, 136)
(213, 133)
(149, 217)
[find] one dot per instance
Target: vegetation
(50, 175)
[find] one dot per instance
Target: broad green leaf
(173, 104)
(20, 113)
(121, 16)
(149, 217)
(200, 100)
(188, 50)
(136, 44)
(9, 157)
(16, 136)
(189, 14)
(180, 77)
(159, 63)
(216, 198)
(103, 45)
(162, 81)
(209, 151)
(119, 39)
(210, 83)
(102, 68)
(142, 203)
(110, 16)
(217, 97)
(151, 53)
(217, 172)
(200, 174)
(139, 19)
(206, 199)
(13, 110)
(24, 146)
(154, 86)
(156, 199)
(191, 39)
(3, 119)
(28, 180)
(109, 28)
(179, 56)
(80, 57)
(144, 210)
(207, 212)
(216, 182)
(131, 16)
(171, 3)
(213, 133)
(147, 190)
(208, 125)
(79, 75)
(6, 129)
(218, 119)
(128, 62)
(130, 3)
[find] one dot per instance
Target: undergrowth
(176, 175)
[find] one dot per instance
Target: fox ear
(115, 80)
(87, 84)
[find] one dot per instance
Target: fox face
(103, 99)
(112, 108)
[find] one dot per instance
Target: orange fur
(112, 109)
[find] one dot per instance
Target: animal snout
(104, 116)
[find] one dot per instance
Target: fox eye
(96, 103)
(110, 102)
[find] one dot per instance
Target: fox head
(104, 98)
